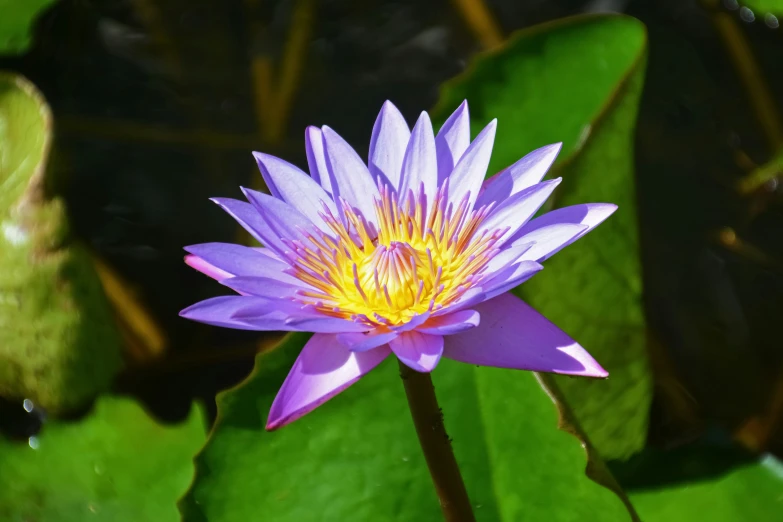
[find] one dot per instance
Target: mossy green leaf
(16, 23)
(58, 343)
(578, 81)
(357, 457)
(117, 464)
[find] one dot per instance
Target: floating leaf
(357, 458)
(578, 81)
(703, 483)
(117, 465)
(15, 23)
(58, 343)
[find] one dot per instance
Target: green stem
(435, 443)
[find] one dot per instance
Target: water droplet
(405, 459)
(771, 21)
(28, 405)
(98, 469)
(33, 442)
(92, 507)
(747, 15)
(731, 5)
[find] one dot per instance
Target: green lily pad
(117, 465)
(703, 483)
(58, 343)
(578, 81)
(357, 457)
(16, 21)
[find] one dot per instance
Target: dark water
(156, 111)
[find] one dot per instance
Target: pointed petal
(450, 324)
(323, 369)
(248, 217)
(361, 342)
(469, 173)
(513, 335)
(296, 188)
(523, 174)
(419, 166)
(291, 316)
(316, 157)
(390, 136)
(561, 224)
(284, 221)
(238, 260)
(220, 311)
(264, 287)
(413, 323)
(510, 277)
(418, 351)
(546, 241)
(468, 299)
(349, 175)
(515, 211)
(452, 140)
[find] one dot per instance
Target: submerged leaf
(58, 343)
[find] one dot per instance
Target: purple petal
(349, 175)
(316, 157)
(506, 257)
(238, 260)
(546, 241)
(413, 323)
(264, 287)
(450, 324)
(419, 166)
(523, 174)
(284, 220)
(418, 351)
(361, 342)
(246, 215)
(510, 277)
(588, 215)
(296, 188)
(206, 268)
(513, 335)
(469, 173)
(292, 316)
(515, 211)
(452, 140)
(390, 136)
(466, 300)
(323, 369)
(220, 311)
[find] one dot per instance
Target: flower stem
(436, 445)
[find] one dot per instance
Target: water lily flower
(411, 254)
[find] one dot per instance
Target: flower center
(415, 258)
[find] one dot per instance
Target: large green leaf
(117, 465)
(578, 81)
(357, 458)
(58, 343)
(703, 483)
(15, 23)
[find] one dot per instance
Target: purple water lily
(412, 254)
